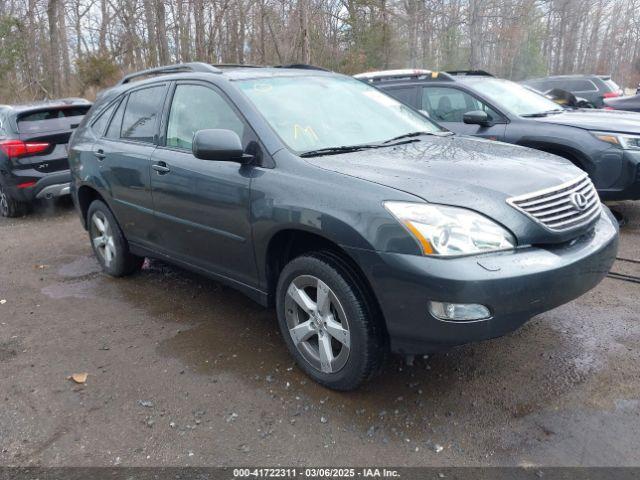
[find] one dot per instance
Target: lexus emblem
(579, 201)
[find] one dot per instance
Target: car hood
(467, 172)
(600, 120)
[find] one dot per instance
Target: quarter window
(116, 122)
(141, 114)
(194, 108)
(450, 104)
(100, 124)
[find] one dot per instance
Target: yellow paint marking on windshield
(262, 87)
(300, 130)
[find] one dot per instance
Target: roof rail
(177, 68)
(302, 66)
(478, 73)
(409, 73)
(236, 65)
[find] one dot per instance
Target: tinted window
(405, 95)
(52, 119)
(141, 113)
(579, 86)
(450, 104)
(116, 122)
(196, 107)
(100, 124)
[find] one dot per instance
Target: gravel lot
(184, 371)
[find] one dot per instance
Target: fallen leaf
(79, 377)
(3, 301)
(41, 267)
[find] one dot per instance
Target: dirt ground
(184, 371)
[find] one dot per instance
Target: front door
(202, 206)
(447, 106)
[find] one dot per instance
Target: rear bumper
(48, 186)
(514, 285)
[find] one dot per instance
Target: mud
(184, 371)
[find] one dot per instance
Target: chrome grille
(566, 206)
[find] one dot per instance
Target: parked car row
(376, 214)
(604, 144)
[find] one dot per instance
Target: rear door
(49, 130)
(124, 153)
(447, 106)
(202, 206)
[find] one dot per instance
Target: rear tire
(10, 207)
(329, 322)
(108, 242)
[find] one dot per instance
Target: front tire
(108, 242)
(328, 321)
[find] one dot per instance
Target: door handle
(100, 155)
(161, 168)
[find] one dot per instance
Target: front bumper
(617, 175)
(514, 285)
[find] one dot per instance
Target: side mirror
(220, 145)
(477, 117)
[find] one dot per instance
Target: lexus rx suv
(369, 228)
(604, 144)
(33, 151)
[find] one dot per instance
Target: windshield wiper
(541, 114)
(336, 150)
(406, 135)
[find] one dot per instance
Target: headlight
(447, 231)
(626, 142)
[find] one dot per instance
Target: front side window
(141, 113)
(196, 107)
(515, 98)
(317, 112)
(446, 104)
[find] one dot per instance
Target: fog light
(459, 312)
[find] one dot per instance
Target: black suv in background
(594, 88)
(605, 144)
(33, 151)
(366, 225)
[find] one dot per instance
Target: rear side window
(100, 124)
(406, 95)
(580, 86)
(51, 119)
(141, 114)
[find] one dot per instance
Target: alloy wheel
(317, 323)
(102, 237)
(4, 203)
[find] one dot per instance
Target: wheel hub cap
(102, 238)
(317, 324)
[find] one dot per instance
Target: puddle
(80, 289)
(80, 267)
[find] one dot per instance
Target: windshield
(515, 98)
(312, 113)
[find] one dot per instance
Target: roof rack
(236, 65)
(302, 66)
(409, 73)
(477, 73)
(177, 68)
